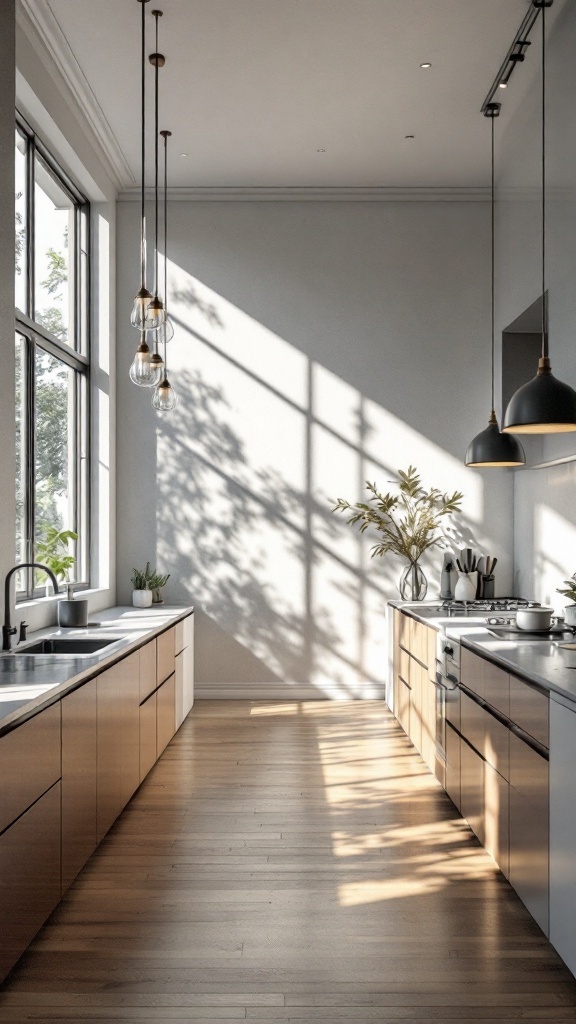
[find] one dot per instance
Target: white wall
(545, 517)
(318, 345)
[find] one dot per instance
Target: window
(52, 364)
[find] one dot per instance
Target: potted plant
(141, 592)
(156, 581)
(569, 591)
(408, 523)
(52, 548)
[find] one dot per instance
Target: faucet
(8, 630)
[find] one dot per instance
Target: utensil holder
(487, 587)
(465, 589)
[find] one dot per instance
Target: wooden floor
(290, 862)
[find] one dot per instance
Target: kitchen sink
(77, 645)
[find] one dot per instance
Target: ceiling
(302, 93)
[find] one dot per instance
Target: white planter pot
(141, 598)
(570, 615)
(465, 589)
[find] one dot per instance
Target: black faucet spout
(8, 630)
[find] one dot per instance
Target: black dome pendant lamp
(491, 448)
(544, 405)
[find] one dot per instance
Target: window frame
(35, 336)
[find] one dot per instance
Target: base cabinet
(147, 736)
(453, 765)
(29, 875)
(529, 828)
(563, 832)
(79, 782)
(165, 714)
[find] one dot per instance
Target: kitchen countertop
(540, 662)
(30, 682)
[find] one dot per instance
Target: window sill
(44, 602)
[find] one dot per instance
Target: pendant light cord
(544, 302)
(165, 134)
(492, 194)
(156, 72)
(143, 154)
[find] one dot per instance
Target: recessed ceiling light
(183, 154)
(426, 65)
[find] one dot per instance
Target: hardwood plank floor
(290, 862)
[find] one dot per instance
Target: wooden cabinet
(29, 874)
(403, 704)
(529, 829)
(563, 832)
(118, 739)
(453, 773)
(78, 780)
(148, 751)
(29, 763)
(165, 654)
(486, 680)
(529, 709)
(166, 714)
(148, 680)
(184, 669)
(415, 729)
(495, 812)
(472, 788)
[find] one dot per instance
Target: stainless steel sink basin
(77, 645)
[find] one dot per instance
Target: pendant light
(491, 448)
(165, 398)
(143, 296)
(544, 405)
(155, 313)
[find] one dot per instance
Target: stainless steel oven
(446, 685)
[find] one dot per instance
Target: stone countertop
(540, 662)
(30, 682)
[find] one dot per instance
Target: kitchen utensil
(534, 618)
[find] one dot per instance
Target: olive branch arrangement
(408, 522)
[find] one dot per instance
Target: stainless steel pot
(534, 618)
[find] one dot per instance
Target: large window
(52, 358)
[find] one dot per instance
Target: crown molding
(323, 194)
(40, 15)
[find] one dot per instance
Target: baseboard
(289, 691)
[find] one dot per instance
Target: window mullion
(30, 224)
(30, 460)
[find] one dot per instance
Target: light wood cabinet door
(472, 789)
(486, 680)
(29, 875)
(496, 807)
(529, 828)
(529, 709)
(165, 714)
(453, 742)
(109, 756)
(148, 681)
(403, 714)
(147, 713)
(165, 654)
(129, 691)
(78, 780)
(563, 832)
(29, 763)
(429, 722)
(416, 673)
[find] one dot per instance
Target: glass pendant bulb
(165, 398)
(156, 369)
(139, 309)
(168, 329)
(155, 314)
(141, 370)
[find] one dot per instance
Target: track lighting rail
(516, 52)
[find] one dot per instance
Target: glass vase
(413, 583)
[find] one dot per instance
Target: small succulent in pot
(141, 592)
(569, 591)
(156, 581)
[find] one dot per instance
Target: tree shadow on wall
(215, 508)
